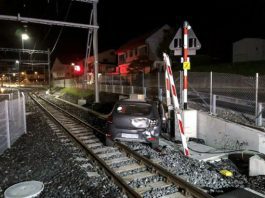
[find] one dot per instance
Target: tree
(163, 46)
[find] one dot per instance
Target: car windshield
(134, 109)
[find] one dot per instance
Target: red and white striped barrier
(168, 99)
(185, 59)
(171, 83)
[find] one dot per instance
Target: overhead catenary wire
(59, 35)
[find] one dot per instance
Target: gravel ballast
(200, 174)
(40, 155)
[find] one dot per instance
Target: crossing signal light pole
(185, 43)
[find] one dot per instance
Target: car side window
(134, 109)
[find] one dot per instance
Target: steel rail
(186, 188)
(117, 179)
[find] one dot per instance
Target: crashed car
(134, 120)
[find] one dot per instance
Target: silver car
(135, 121)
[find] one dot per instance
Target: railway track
(137, 176)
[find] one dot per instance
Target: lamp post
(25, 37)
(17, 69)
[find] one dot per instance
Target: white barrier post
(256, 97)
(181, 89)
(24, 112)
(214, 104)
(260, 114)
(7, 125)
(211, 92)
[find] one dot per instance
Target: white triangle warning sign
(177, 43)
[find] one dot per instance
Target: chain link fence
(231, 96)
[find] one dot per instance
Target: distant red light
(77, 68)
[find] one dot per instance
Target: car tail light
(140, 122)
(151, 139)
(109, 119)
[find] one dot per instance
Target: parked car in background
(134, 119)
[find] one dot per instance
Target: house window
(122, 58)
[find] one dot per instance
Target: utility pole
(49, 69)
(95, 49)
(95, 45)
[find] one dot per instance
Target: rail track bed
(136, 175)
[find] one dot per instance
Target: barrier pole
(176, 105)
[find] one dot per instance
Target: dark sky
(216, 23)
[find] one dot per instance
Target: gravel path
(40, 155)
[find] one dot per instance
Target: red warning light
(77, 68)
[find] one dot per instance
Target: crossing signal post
(185, 43)
(186, 63)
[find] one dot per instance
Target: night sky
(216, 23)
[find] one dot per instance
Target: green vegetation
(80, 93)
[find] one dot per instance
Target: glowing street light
(24, 36)
(17, 61)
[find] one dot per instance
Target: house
(107, 64)
(249, 49)
(61, 71)
(140, 54)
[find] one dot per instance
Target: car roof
(134, 101)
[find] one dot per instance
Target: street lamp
(25, 37)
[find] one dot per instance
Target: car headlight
(140, 122)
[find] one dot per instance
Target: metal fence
(231, 96)
(12, 120)
(234, 97)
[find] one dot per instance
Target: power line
(66, 16)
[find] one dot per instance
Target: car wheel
(109, 142)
